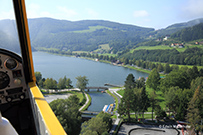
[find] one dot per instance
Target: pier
(112, 85)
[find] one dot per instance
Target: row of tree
(191, 56)
(63, 83)
(50, 83)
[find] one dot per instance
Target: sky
(145, 13)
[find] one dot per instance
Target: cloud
(193, 9)
(91, 12)
(7, 15)
(140, 13)
(66, 12)
(33, 11)
(36, 11)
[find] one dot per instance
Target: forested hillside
(89, 35)
(191, 56)
(176, 27)
(190, 33)
(84, 35)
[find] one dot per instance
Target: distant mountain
(189, 33)
(176, 27)
(8, 36)
(84, 35)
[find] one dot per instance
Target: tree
(171, 98)
(140, 82)
(95, 126)
(67, 112)
(130, 82)
(198, 84)
(63, 83)
(160, 68)
(106, 118)
(144, 102)
(68, 83)
(193, 115)
(153, 101)
(126, 104)
(159, 112)
(167, 69)
(175, 78)
(153, 79)
(50, 83)
(82, 81)
(38, 76)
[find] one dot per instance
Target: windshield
(8, 31)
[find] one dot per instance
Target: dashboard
(13, 85)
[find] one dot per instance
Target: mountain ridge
(86, 35)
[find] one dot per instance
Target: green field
(160, 97)
(79, 52)
(92, 29)
(104, 46)
(163, 47)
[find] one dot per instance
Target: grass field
(104, 46)
(160, 97)
(92, 29)
(79, 52)
(164, 47)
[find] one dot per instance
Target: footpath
(118, 96)
(85, 102)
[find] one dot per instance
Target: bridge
(90, 112)
(98, 88)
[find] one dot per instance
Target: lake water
(98, 73)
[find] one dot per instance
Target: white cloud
(33, 10)
(140, 13)
(7, 15)
(66, 12)
(91, 12)
(193, 9)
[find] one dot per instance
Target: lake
(98, 73)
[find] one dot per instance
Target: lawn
(104, 46)
(115, 98)
(121, 92)
(92, 29)
(160, 97)
(163, 47)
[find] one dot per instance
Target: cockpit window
(8, 31)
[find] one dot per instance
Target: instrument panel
(13, 85)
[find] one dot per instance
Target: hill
(190, 33)
(176, 27)
(86, 35)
